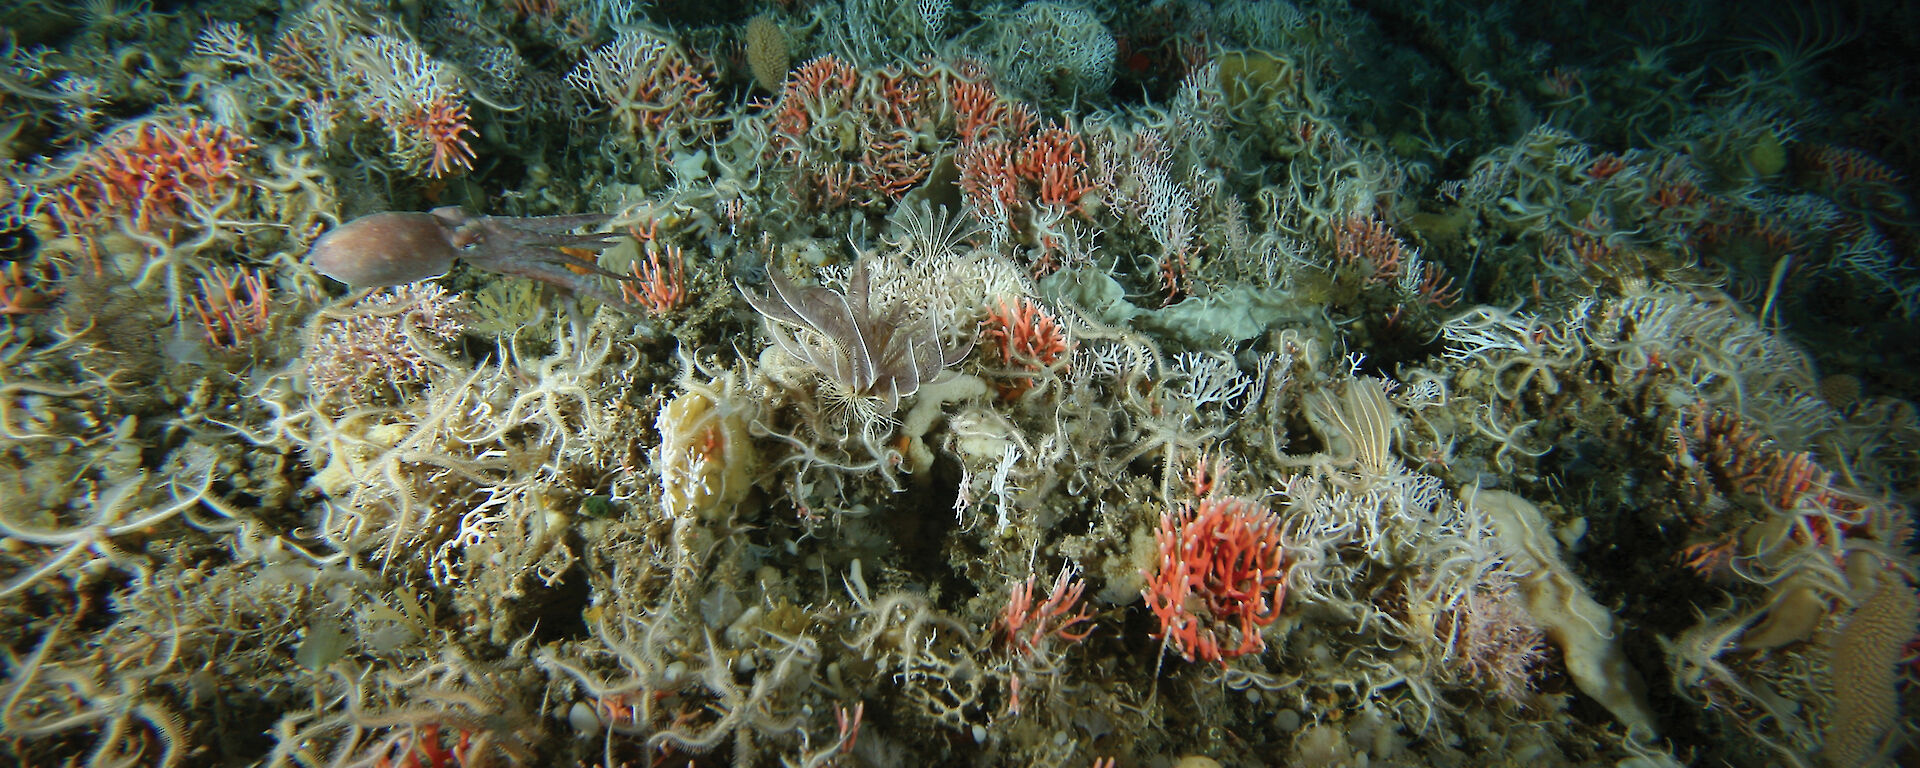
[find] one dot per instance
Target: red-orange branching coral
(894, 163)
(1008, 168)
(902, 99)
(977, 109)
(1606, 167)
(1717, 453)
(1027, 626)
(659, 286)
(445, 124)
(427, 748)
(233, 307)
(824, 78)
(817, 89)
(151, 172)
(1435, 288)
(23, 292)
(1030, 629)
(1219, 578)
(1711, 560)
(1744, 463)
(1365, 242)
(1830, 166)
(1055, 161)
(990, 175)
(1856, 179)
(854, 137)
(1027, 333)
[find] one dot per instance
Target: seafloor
(952, 382)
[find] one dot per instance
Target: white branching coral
(1055, 48)
(420, 101)
(655, 93)
(1209, 379)
(386, 347)
(397, 76)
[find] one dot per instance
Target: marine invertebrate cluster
(1220, 576)
(1030, 338)
(1053, 49)
(19, 294)
(233, 307)
(853, 136)
(417, 98)
(1029, 626)
(903, 436)
(386, 348)
(149, 172)
(706, 459)
(658, 286)
(658, 97)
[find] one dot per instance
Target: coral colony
(917, 382)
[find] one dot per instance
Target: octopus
(397, 247)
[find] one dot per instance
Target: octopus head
(390, 248)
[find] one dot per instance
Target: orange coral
(233, 306)
(151, 172)
(444, 123)
(22, 293)
(1056, 161)
(660, 286)
(1220, 573)
(1027, 334)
